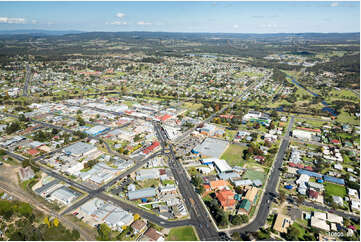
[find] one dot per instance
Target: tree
(201, 189)
(26, 163)
(244, 218)
(236, 236)
(136, 216)
(80, 121)
(46, 221)
(292, 233)
(104, 232)
(300, 199)
(56, 222)
(22, 118)
(75, 234)
(274, 114)
(282, 196)
(236, 219)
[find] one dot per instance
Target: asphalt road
(202, 222)
(327, 209)
(271, 188)
(27, 80)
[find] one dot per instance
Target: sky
(214, 17)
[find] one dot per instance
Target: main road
(27, 80)
(271, 187)
(205, 228)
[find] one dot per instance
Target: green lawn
(333, 189)
(149, 183)
(185, 233)
(253, 175)
(233, 155)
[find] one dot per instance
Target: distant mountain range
(64, 32)
(39, 32)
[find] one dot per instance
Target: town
(179, 142)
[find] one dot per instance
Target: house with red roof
(335, 142)
(164, 117)
(33, 152)
(226, 199)
(151, 147)
(313, 194)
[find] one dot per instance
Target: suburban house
(226, 199)
(282, 223)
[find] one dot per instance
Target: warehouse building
(63, 195)
(142, 193)
(80, 149)
(211, 147)
(96, 130)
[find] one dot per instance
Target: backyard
(333, 189)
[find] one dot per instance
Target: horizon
(183, 17)
(33, 31)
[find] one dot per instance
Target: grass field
(344, 117)
(342, 94)
(333, 189)
(250, 74)
(233, 155)
(185, 233)
(192, 106)
(313, 123)
(253, 175)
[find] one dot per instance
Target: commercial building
(142, 193)
(97, 211)
(222, 166)
(302, 134)
(146, 174)
(80, 149)
(63, 195)
(96, 130)
(211, 147)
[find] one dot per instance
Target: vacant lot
(185, 233)
(233, 155)
(333, 189)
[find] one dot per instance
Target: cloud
(334, 4)
(144, 23)
(34, 21)
(269, 25)
(236, 26)
(117, 23)
(120, 15)
(6, 20)
(257, 16)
